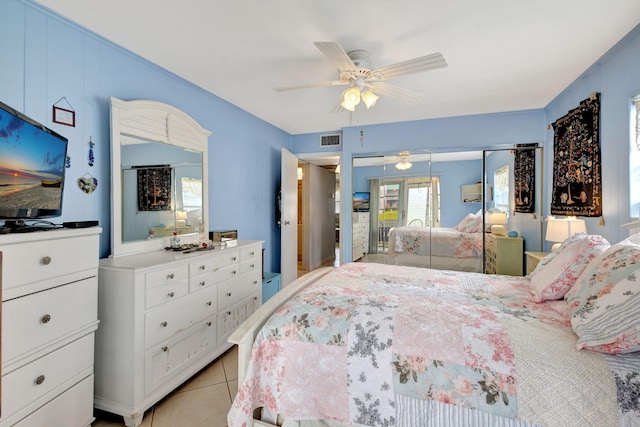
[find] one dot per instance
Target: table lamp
(497, 220)
(560, 229)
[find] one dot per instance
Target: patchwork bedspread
(375, 344)
(447, 242)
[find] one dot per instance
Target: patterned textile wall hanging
(154, 188)
(524, 173)
(577, 188)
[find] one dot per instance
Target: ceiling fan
(365, 83)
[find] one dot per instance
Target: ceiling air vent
(330, 140)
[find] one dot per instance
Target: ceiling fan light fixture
(404, 163)
(351, 98)
(369, 98)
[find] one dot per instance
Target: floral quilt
(364, 337)
(447, 242)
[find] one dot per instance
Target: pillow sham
(604, 306)
(470, 224)
(565, 265)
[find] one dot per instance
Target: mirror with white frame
(159, 182)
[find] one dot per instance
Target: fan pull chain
(91, 156)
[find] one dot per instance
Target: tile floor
(204, 400)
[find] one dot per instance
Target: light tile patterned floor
(204, 400)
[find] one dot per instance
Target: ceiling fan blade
(416, 65)
(337, 107)
(337, 55)
(395, 92)
(305, 86)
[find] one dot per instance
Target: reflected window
(191, 193)
(501, 188)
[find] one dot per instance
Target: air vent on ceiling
(330, 140)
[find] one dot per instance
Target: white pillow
(559, 273)
(604, 306)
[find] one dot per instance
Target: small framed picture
(64, 116)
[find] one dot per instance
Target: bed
(436, 247)
(384, 345)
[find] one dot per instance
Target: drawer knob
(252, 253)
(45, 260)
(39, 380)
(165, 348)
(164, 324)
(233, 258)
(228, 294)
(234, 272)
(202, 267)
(253, 266)
(170, 276)
(255, 282)
(208, 323)
(228, 313)
(171, 294)
(202, 283)
(209, 303)
(45, 319)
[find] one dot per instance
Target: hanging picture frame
(64, 116)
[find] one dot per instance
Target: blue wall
(45, 58)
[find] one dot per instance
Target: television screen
(32, 167)
(360, 201)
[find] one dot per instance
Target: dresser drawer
(74, 407)
(37, 320)
(166, 293)
(252, 253)
(214, 263)
(35, 380)
(48, 261)
(251, 265)
(235, 290)
(173, 274)
(163, 362)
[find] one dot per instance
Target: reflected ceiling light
(404, 163)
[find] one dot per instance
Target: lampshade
(560, 229)
(369, 98)
(404, 163)
(351, 98)
(497, 218)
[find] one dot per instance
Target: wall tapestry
(577, 188)
(154, 188)
(524, 173)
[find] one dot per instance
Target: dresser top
(42, 235)
(155, 258)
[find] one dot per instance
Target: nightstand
(533, 258)
(503, 255)
(270, 285)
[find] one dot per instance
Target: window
(501, 188)
(634, 159)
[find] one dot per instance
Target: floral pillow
(562, 268)
(604, 306)
(470, 224)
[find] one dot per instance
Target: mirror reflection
(161, 190)
(430, 208)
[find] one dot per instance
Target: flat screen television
(361, 201)
(32, 168)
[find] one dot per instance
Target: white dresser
(360, 234)
(164, 316)
(49, 317)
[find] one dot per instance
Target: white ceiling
(503, 55)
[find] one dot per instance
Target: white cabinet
(472, 193)
(165, 315)
(360, 234)
(49, 317)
